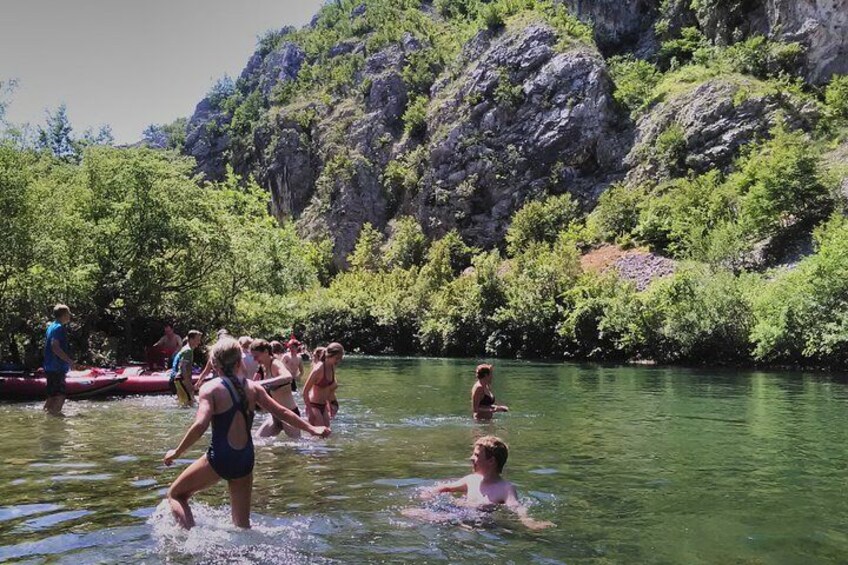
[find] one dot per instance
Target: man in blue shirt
(57, 361)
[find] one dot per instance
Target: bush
(635, 81)
(802, 316)
(782, 183)
(617, 214)
(540, 222)
(367, 254)
(836, 97)
(407, 244)
(415, 116)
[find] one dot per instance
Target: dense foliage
(130, 238)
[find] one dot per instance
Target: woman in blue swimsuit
(228, 403)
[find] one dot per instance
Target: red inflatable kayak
(33, 387)
(140, 381)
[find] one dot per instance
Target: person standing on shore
(57, 359)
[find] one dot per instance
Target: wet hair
(226, 355)
(193, 333)
(60, 310)
(167, 325)
(261, 345)
(277, 347)
(332, 350)
(494, 447)
(484, 370)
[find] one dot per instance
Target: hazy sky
(129, 63)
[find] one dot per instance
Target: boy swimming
(485, 488)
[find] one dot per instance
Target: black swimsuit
(229, 462)
(487, 400)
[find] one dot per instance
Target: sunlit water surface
(636, 465)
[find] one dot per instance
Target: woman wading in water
(319, 392)
(277, 380)
(482, 398)
(228, 402)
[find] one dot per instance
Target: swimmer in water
(319, 391)
(482, 398)
(485, 488)
(272, 374)
(228, 403)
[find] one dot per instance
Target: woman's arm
(310, 382)
(264, 400)
(201, 422)
(204, 373)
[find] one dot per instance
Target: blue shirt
(182, 362)
(53, 363)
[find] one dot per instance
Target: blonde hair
(332, 350)
(226, 355)
(59, 310)
(494, 447)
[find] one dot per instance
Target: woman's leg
(269, 428)
(198, 476)
(240, 492)
(314, 414)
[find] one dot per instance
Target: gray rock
(714, 122)
(281, 65)
(619, 24)
(206, 139)
(488, 155)
(821, 26)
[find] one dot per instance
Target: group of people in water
(253, 373)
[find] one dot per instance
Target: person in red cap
(293, 362)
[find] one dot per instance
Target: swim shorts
(55, 383)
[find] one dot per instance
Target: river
(633, 464)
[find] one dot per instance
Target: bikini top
(324, 381)
(487, 400)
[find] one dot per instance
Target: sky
(129, 63)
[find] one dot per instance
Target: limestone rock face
(821, 26)
(705, 128)
(619, 24)
(206, 138)
(521, 121)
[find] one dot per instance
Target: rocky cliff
(460, 111)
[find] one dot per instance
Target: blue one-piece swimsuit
(230, 463)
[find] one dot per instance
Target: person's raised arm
(197, 428)
(520, 511)
(264, 400)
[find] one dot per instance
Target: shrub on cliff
(802, 317)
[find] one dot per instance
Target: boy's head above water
(490, 454)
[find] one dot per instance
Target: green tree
(367, 254)
(540, 222)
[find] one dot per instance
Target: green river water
(633, 464)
